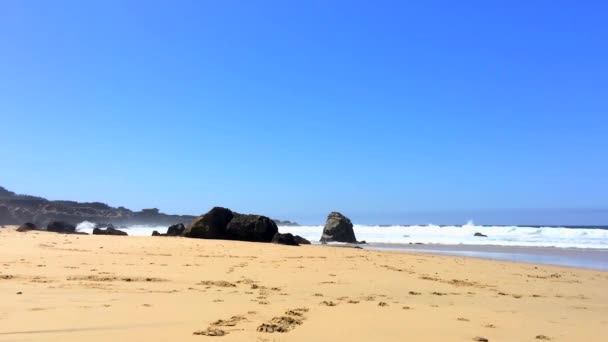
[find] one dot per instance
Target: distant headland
(17, 209)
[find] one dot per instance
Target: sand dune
(103, 288)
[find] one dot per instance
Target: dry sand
(104, 288)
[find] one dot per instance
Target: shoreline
(56, 287)
(571, 257)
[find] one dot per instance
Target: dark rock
(27, 227)
(480, 235)
(222, 223)
(251, 228)
(301, 241)
(108, 231)
(61, 227)
(176, 230)
(285, 239)
(104, 225)
(212, 225)
(338, 228)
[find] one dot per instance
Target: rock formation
(16, 209)
(109, 231)
(174, 230)
(251, 228)
(289, 239)
(338, 228)
(222, 223)
(211, 225)
(285, 239)
(26, 227)
(61, 227)
(301, 241)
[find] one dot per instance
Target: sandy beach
(57, 287)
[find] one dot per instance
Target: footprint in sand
(382, 304)
(219, 283)
(328, 303)
(210, 332)
(298, 312)
(232, 321)
(282, 324)
(543, 337)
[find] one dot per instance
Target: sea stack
(338, 228)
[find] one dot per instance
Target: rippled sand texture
(103, 288)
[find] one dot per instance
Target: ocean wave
(137, 230)
(456, 235)
(446, 235)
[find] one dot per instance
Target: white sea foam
(455, 235)
(446, 235)
(138, 230)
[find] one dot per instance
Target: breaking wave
(596, 238)
(456, 235)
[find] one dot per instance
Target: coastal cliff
(17, 209)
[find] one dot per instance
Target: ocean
(575, 246)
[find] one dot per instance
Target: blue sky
(389, 111)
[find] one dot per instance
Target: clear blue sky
(389, 111)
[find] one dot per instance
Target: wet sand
(595, 259)
(97, 288)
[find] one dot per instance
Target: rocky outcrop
(251, 228)
(61, 227)
(211, 225)
(26, 227)
(174, 230)
(301, 241)
(480, 235)
(222, 223)
(338, 228)
(109, 231)
(285, 239)
(16, 209)
(289, 239)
